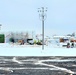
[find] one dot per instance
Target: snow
(34, 50)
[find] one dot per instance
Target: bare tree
(27, 35)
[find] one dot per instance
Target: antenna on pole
(42, 15)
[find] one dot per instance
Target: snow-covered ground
(35, 50)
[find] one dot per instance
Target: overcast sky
(22, 15)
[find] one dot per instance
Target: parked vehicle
(30, 41)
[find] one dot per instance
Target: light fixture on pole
(42, 15)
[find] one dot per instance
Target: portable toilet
(2, 38)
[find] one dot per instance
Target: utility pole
(42, 16)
